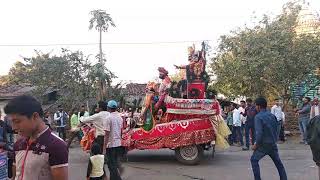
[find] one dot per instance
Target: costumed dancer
(196, 61)
(196, 69)
(163, 89)
(146, 119)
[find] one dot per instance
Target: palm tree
(101, 21)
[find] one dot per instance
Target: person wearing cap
(98, 120)
(113, 131)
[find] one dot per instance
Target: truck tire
(189, 155)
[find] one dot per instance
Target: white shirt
(98, 120)
(86, 114)
(62, 117)
(114, 125)
(242, 118)
(236, 118)
(316, 110)
(277, 111)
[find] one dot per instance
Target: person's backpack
(313, 131)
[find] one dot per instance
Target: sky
(138, 44)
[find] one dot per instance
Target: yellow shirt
(97, 162)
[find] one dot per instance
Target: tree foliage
(101, 20)
(266, 59)
(71, 74)
(68, 73)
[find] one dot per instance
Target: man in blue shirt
(266, 138)
(303, 119)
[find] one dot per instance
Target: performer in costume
(182, 84)
(163, 89)
(196, 69)
(146, 120)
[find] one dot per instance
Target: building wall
(130, 99)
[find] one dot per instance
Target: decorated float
(187, 121)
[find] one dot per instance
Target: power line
(94, 44)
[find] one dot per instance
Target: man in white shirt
(83, 112)
(236, 130)
(242, 110)
(113, 133)
(61, 118)
(98, 120)
(315, 109)
(277, 111)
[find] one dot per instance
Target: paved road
(232, 164)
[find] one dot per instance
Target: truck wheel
(189, 155)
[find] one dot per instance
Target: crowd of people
(254, 122)
(240, 120)
(252, 125)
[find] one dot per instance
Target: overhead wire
(107, 43)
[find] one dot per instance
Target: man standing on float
(163, 89)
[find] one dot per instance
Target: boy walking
(95, 169)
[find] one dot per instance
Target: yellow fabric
(223, 128)
(97, 162)
(222, 131)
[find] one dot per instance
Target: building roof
(134, 89)
(12, 91)
(308, 21)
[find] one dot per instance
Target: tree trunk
(100, 46)
(286, 98)
(102, 84)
